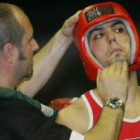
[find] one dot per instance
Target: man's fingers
(98, 75)
(69, 24)
(125, 68)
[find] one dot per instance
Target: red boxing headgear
(96, 14)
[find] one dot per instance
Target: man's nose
(35, 46)
(111, 38)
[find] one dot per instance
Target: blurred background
(47, 17)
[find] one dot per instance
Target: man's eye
(98, 36)
(119, 30)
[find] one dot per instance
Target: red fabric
(94, 107)
(130, 129)
(60, 103)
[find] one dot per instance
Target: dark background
(47, 16)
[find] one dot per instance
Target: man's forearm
(45, 62)
(108, 126)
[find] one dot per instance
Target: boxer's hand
(113, 82)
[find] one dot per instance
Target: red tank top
(130, 129)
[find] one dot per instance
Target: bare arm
(46, 60)
(111, 82)
(75, 116)
(108, 125)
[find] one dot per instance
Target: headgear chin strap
(97, 14)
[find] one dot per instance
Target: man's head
(109, 42)
(17, 44)
(105, 33)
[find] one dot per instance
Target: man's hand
(113, 82)
(67, 28)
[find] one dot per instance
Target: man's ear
(8, 52)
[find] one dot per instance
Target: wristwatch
(115, 103)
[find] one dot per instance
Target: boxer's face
(110, 42)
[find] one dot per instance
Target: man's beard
(22, 57)
(118, 59)
(30, 73)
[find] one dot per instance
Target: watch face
(115, 103)
(114, 100)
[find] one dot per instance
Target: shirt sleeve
(26, 122)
